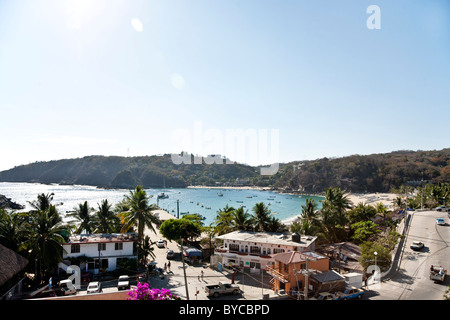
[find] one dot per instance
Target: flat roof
(268, 238)
(102, 238)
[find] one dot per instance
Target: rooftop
(267, 238)
(296, 257)
(102, 237)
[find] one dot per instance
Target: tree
(224, 220)
(180, 229)
(364, 230)
(11, 229)
(333, 216)
(261, 217)
(146, 249)
(43, 202)
(105, 220)
(309, 210)
(139, 213)
(367, 258)
(362, 212)
(82, 214)
(43, 238)
(241, 219)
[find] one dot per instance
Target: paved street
(411, 281)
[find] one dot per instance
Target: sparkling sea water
(203, 201)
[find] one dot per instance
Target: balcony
(276, 274)
(242, 253)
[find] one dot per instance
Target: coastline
(356, 198)
(235, 188)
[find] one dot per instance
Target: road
(411, 281)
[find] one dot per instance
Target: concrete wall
(120, 295)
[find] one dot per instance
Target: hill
(355, 173)
(368, 173)
(126, 172)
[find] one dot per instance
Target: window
(118, 246)
(75, 248)
(255, 250)
(276, 250)
(101, 246)
(234, 247)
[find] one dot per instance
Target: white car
(440, 221)
(160, 243)
(94, 287)
(123, 283)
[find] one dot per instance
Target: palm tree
(43, 202)
(260, 217)
(82, 214)
(309, 211)
(44, 239)
(335, 205)
(105, 220)
(11, 229)
(139, 213)
(146, 249)
(241, 219)
(223, 223)
(275, 225)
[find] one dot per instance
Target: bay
(203, 201)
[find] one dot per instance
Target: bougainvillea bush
(144, 292)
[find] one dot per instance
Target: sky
(259, 81)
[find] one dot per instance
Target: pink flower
(144, 292)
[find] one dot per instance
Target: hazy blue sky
(109, 77)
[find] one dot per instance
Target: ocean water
(190, 200)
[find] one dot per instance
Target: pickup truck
(350, 293)
(123, 283)
(67, 287)
(221, 289)
(437, 273)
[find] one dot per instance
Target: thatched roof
(10, 264)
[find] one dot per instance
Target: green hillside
(356, 173)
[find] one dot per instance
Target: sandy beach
(356, 198)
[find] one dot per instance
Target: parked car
(440, 221)
(417, 245)
(441, 208)
(86, 277)
(94, 287)
(160, 243)
(170, 254)
(325, 296)
(222, 288)
(67, 287)
(350, 293)
(123, 283)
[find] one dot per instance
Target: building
(291, 268)
(103, 251)
(255, 250)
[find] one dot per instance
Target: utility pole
(178, 209)
(306, 280)
(184, 271)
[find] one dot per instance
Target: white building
(104, 250)
(255, 250)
